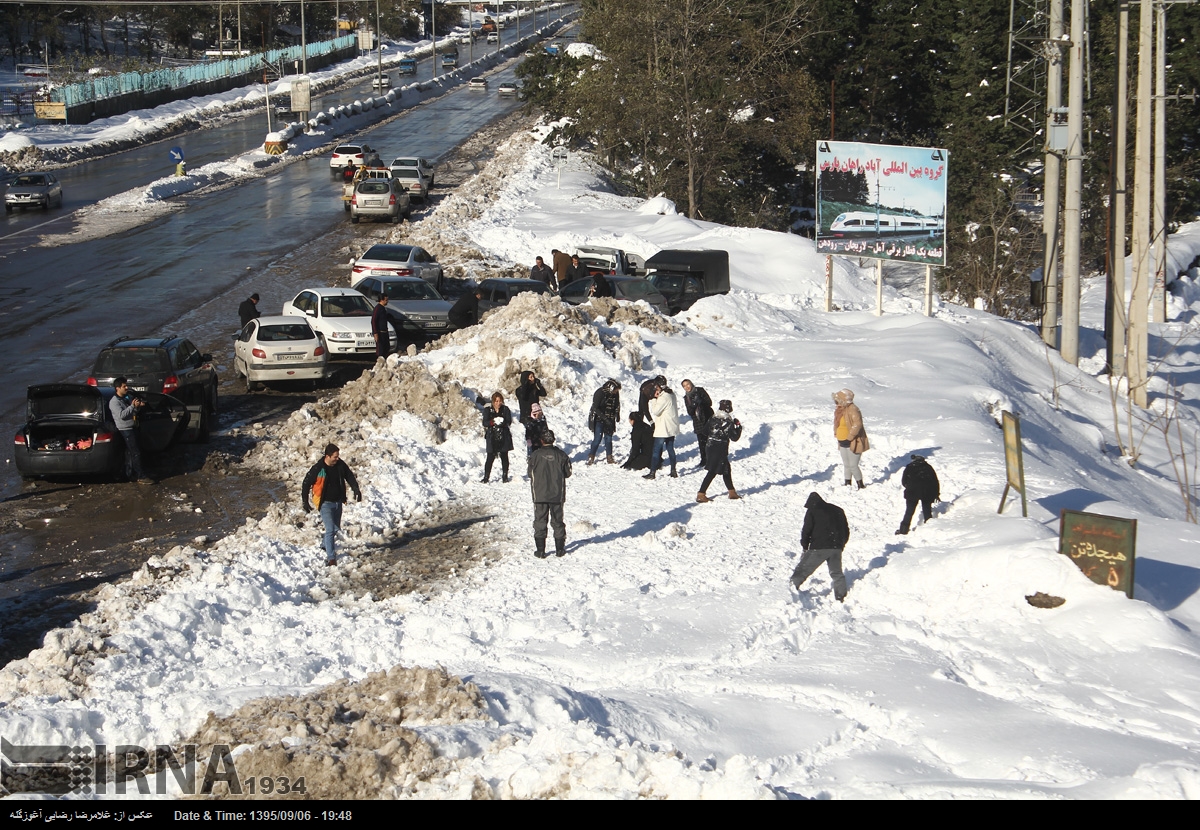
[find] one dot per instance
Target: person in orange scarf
(851, 435)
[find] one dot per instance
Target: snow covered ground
(666, 655)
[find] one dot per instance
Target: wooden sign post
(1014, 463)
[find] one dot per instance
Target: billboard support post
(828, 282)
(879, 288)
(928, 290)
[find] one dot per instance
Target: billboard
(881, 202)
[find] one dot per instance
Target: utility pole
(379, 41)
(1052, 181)
(1069, 347)
(1158, 294)
(1135, 369)
(1114, 318)
(303, 43)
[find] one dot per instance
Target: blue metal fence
(113, 86)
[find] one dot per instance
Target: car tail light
(392, 199)
(19, 439)
(404, 272)
(354, 200)
(92, 382)
(170, 384)
(259, 353)
(104, 438)
(317, 352)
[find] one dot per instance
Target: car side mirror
(310, 312)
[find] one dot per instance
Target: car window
(668, 283)
(130, 361)
(32, 180)
(186, 356)
(636, 289)
(407, 173)
(348, 150)
(404, 163)
(65, 403)
(388, 253)
(285, 333)
(345, 305)
(374, 187)
(411, 291)
(248, 332)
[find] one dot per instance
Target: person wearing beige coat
(850, 434)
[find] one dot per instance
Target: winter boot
(702, 498)
(902, 531)
(611, 460)
(540, 553)
(560, 547)
(673, 473)
(733, 494)
(861, 486)
(649, 475)
(848, 482)
(591, 460)
(485, 479)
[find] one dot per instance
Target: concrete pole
(1069, 347)
(828, 282)
(1052, 185)
(928, 290)
(303, 42)
(1158, 295)
(879, 288)
(1115, 305)
(1135, 369)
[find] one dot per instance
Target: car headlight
(341, 335)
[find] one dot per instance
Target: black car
(167, 366)
(498, 291)
(69, 431)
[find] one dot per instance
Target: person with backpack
(823, 538)
(326, 484)
(717, 432)
(602, 419)
(921, 485)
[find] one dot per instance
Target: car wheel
(215, 399)
(8, 208)
(396, 218)
(58, 204)
(346, 206)
(353, 219)
(204, 431)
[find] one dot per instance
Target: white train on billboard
(869, 223)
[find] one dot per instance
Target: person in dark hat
(641, 450)
(823, 538)
(921, 485)
(717, 432)
(645, 393)
(248, 310)
(465, 311)
(549, 468)
(602, 419)
(699, 409)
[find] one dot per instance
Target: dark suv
(168, 365)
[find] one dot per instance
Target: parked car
(413, 180)
(422, 164)
(507, 88)
(33, 190)
(499, 291)
(683, 277)
(477, 83)
(393, 260)
(360, 175)
(380, 199)
(345, 155)
(340, 315)
(631, 289)
(165, 366)
(407, 66)
(599, 260)
(69, 431)
(279, 348)
(383, 81)
(414, 306)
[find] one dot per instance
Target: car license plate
(289, 357)
(138, 388)
(380, 272)
(372, 202)
(364, 344)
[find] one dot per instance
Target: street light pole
(303, 42)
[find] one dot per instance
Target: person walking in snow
(549, 468)
(326, 484)
(717, 432)
(602, 419)
(641, 449)
(699, 409)
(535, 425)
(497, 423)
(529, 392)
(921, 486)
(823, 538)
(851, 435)
(665, 412)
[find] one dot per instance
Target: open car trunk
(61, 416)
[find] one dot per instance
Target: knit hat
(546, 438)
(535, 411)
(725, 406)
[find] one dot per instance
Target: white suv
(345, 155)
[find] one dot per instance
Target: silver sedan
(33, 190)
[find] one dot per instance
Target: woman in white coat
(665, 412)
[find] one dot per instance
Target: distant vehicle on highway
(392, 260)
(33, 190)
(493, 37)
(414, 306)
(507, 88)
(382, 198)
(342, 316)
(424, 164)
(408, 66)
(477, 83)
(345, 155)
(278, 348)
(69, 431)
(413, 180)
(450, 59)
(383, 81)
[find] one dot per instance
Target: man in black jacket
(920, 485)
(248, 310)
(380, 329)
(327, 481)
(549, 469)
(699, 409)
(465, 312)
(824, 536)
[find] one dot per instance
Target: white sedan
(342, 316)
(279, 348)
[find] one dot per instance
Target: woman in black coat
(497, 423)
(717, 432)
(529, 392)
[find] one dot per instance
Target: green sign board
(1014, 462)
(1102, 547)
